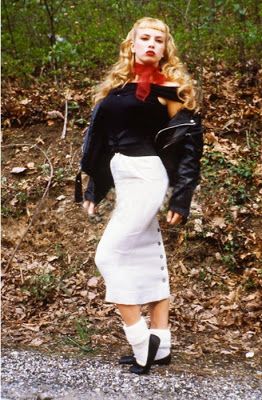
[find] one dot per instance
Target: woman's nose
(151, 43)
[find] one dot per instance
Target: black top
(129, 123)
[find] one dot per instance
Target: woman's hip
(135, 169)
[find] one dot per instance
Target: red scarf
(147, 74)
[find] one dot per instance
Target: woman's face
(148, 46)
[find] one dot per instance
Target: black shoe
(129, 360)
(153, 346)
(164, 361)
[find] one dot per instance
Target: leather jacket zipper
(174, 126)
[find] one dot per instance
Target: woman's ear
(132, 47)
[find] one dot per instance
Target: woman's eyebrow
(157, 37)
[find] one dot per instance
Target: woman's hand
(173, 218)
(89, 206)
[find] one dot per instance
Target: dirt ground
(52, 293)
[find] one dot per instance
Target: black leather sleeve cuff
(89, 193)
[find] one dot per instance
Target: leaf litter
(53, 291)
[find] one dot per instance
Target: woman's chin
(148, 60)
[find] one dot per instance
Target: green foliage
(42, 287)
(230, 190)
(83, 330)
(59, 174)
(45, 169)
(22, 197)
(250, 284)
(230, 262)
(7, 211)
(47, 37)
(14, 200)
(244, 169)
(82, 338)
(59, 250)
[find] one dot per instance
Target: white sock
(138, 336)
(165, 342)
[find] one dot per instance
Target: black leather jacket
(179, 145)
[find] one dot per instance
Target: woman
(145, 108)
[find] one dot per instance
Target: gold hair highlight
(170, 65)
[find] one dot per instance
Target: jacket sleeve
(93, 142)
(186, 174)
(101, 182)
(89, 193)
(96, 158)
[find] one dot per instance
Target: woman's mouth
(150, 53)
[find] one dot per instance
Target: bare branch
(65, 120)
(187, 9)
(36, 212)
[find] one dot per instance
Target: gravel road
(31, 375)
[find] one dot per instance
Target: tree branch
(65, 120)
(39, 203)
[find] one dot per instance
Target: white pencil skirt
(130, 255)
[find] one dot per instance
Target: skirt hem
(135, 300)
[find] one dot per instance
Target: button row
(161, 256)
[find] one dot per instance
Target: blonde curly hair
(170, 65)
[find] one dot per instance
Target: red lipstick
(150, 53)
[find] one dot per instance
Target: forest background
(53, 52)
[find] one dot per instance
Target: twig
(248, 136)
(39, 203)
(72, 158)
(187, 9)
(65, 121)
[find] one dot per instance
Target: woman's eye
(147, 38)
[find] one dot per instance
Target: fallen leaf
(14, 201)
(55, 114)
(36, 342)
(183, 268)
(230, 122)
(92, 282)
(18, 170)
(218, 221)
(52, 258)
(25, 102)
(30, 165)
